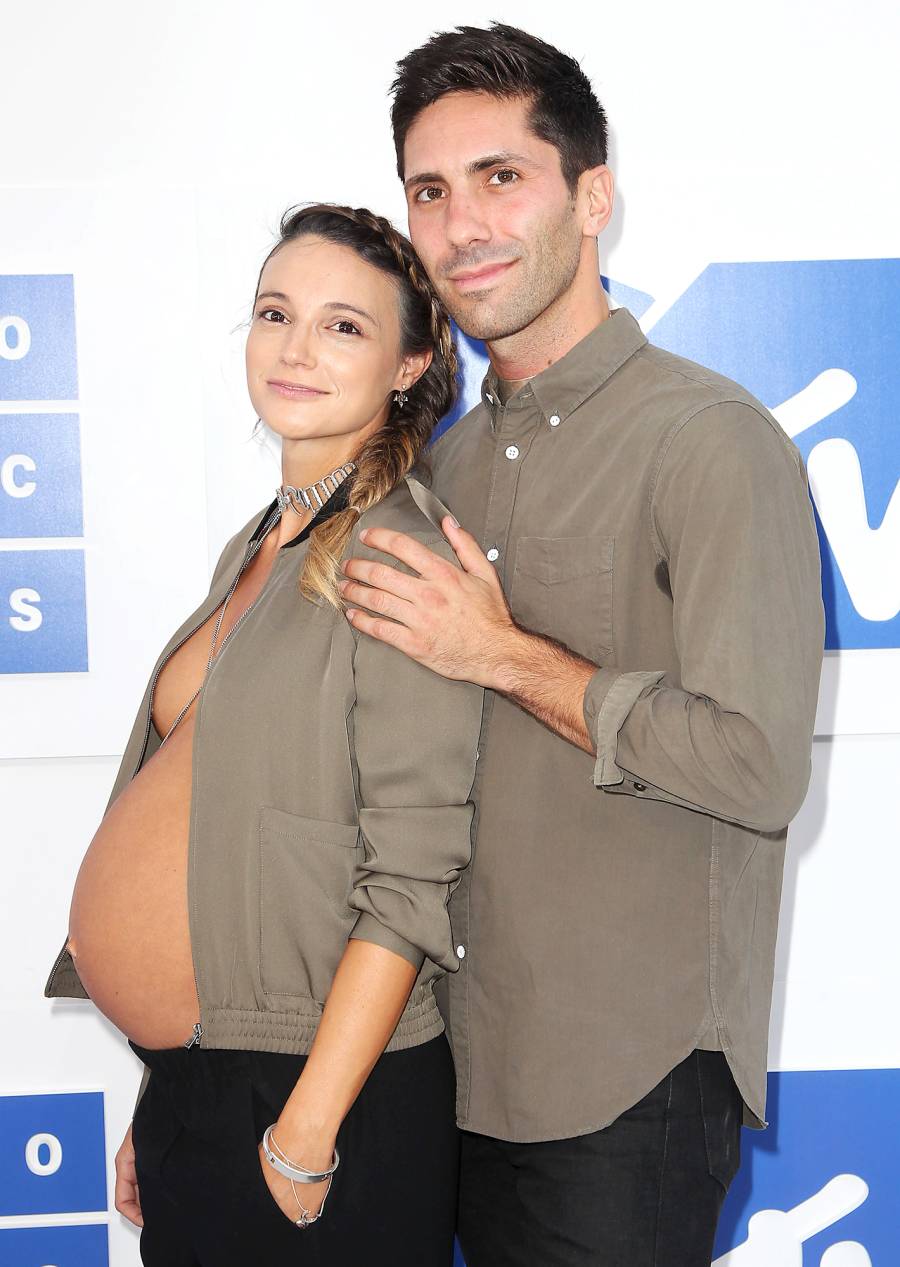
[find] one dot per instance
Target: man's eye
(425, 195)
(272, 314)
(346, 327)
(505, 176)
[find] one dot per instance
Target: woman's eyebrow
(360, 312)
(272, 294)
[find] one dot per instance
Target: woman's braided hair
(391, 452)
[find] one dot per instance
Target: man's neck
(552, 334)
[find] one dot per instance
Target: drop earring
(401, 398)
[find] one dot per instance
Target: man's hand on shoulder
(456, 621)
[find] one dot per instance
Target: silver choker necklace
(314, 496)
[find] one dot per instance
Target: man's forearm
(546, 679)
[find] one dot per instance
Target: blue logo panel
(820, 1185)
(37, 338)
(40, 475)
(43, 619)
(52, 1154)
(86, 1246)
(776, 329)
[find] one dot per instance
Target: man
(641, 597)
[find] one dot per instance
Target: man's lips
(477, 279)
(294, 391)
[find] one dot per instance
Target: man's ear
(597, 187)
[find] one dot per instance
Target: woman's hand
(311, 1195)
(127, 1196)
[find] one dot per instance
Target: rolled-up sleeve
(415, 737)
(733, 525)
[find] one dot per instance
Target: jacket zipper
(197, 1033)
(194, 1040)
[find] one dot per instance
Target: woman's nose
(298, 347)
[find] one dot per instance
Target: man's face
(489, 212)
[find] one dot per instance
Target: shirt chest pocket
(563, 587)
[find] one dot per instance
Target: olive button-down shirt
(621, 909)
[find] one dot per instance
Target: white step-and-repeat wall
(147, 154)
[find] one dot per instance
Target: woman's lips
(294, 391)
(483, 278)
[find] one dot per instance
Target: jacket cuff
(608, 699)
(368, 928)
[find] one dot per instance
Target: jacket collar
(569, 382)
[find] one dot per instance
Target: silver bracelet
(279, 1161)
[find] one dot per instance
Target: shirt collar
(563, 386)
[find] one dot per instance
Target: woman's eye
(425, 195)
(506, 176)
(346, 327)
(272, 314)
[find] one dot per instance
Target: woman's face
(323, 353)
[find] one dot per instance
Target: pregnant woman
(263, 908)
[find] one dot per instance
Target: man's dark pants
(645, 1191)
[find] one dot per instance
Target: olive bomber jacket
(332, 777)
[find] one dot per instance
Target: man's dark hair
(505, 61)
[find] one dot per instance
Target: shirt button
(640, 787)
(512, 451)
(460, 952)
(554, 420)
(493, 554)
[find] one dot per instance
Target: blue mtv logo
(37, 338)
(814, 341)
(40, 475)
(86, 1246)
(52, 1154)
(43, 622)
(819, 1187)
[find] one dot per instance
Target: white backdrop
(148, 153)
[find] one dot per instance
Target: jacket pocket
(306, 871)
(563, 587)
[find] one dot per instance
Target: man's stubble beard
(545, 272)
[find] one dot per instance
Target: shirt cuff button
(640, 787)
(460, 952)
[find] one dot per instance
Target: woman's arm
(414, 740)
(367, 997)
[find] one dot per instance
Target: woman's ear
(411, 370)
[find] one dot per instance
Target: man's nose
(465, 222)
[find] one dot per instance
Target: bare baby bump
(128, 927)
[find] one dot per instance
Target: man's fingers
(384, 630)
(377, 601)
(381, 576)
(467, 550)
(409, 551)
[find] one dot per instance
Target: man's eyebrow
(471, 169)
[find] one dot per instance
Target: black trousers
(203, 1195)
(645, 1191)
